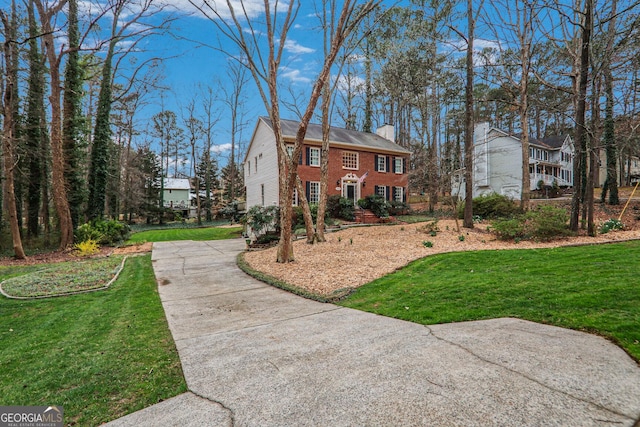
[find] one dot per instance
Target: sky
(191, 64)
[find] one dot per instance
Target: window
(256, 164)
(313, 191)
(398, 165)
(294, 202)
(349, 160)
(381, 163)
(249, 167)
(313, 156)
(381, 191)
(262, 193)
(290, 150)
(398, 194)
(531, 152)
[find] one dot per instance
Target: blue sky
(189, 64)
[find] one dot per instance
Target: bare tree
(516, 19)
(264, 65)
(195, 131)
(10, 53)
(48, 13)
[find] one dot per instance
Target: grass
(100, 355)
(594, 289)
(64, 277)
(167, 235)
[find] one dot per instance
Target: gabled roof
(362, 140)
(177, 184)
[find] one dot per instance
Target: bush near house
(492, 206)
(376, 204)
(263, 219)
(340, 207)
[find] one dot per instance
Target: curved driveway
(254, 355)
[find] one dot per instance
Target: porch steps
(365, 216)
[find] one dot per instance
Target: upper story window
(349, 160)
(381, 163)
(256, 164)
(290, 150)
(249, 167)
(313, 156)
(398, 165)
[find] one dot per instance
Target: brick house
(360, 164)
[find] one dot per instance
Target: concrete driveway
(254, 355)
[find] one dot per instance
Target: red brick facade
(380, 169)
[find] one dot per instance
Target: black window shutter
(300, 159)
(404, 195)
(393, 194)
(308, 149)
(308, 189)
(375, 188)
(404, 165)
(375, 163)
(388, 193)
(388, 160)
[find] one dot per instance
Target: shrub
(427, 244)
(547, 223)
(340, 207)
(543, 223)
(262, 219)
(490, 206)
(398, 208)
(87, 248)
(611, 224)
(508, 229)
(376, 204)
(430, 228)
(104, 232)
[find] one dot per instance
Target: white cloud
(349, 83)
(292, 46)
(221, 148)
(252, 8)
(294, 75)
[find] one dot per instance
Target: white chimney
(387, 132)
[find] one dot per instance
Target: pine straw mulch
(355, 256)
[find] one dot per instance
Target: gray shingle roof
(340, 136)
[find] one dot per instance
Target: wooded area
(73, 150)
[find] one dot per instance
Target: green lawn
(590, 288)
(168, 235)
(100, 355)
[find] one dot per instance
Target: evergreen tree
(151, 173)
(229, 176)
(35, 129)
(99, 166)
(207, 173)
(73, 142)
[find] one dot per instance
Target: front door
(350, 191)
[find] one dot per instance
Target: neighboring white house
(497, 163)
(627, 170)
(176, 195)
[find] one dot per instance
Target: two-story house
(176, 195)
(497, 163)
(360, 164)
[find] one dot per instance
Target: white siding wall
(497, 163)
(263, 147)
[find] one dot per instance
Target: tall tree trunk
(609, 139)
(579, 163)
(72, 126)
(9, 50)
(35, 127)
(468, 117)
(57, 153)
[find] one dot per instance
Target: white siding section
(263, 147)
